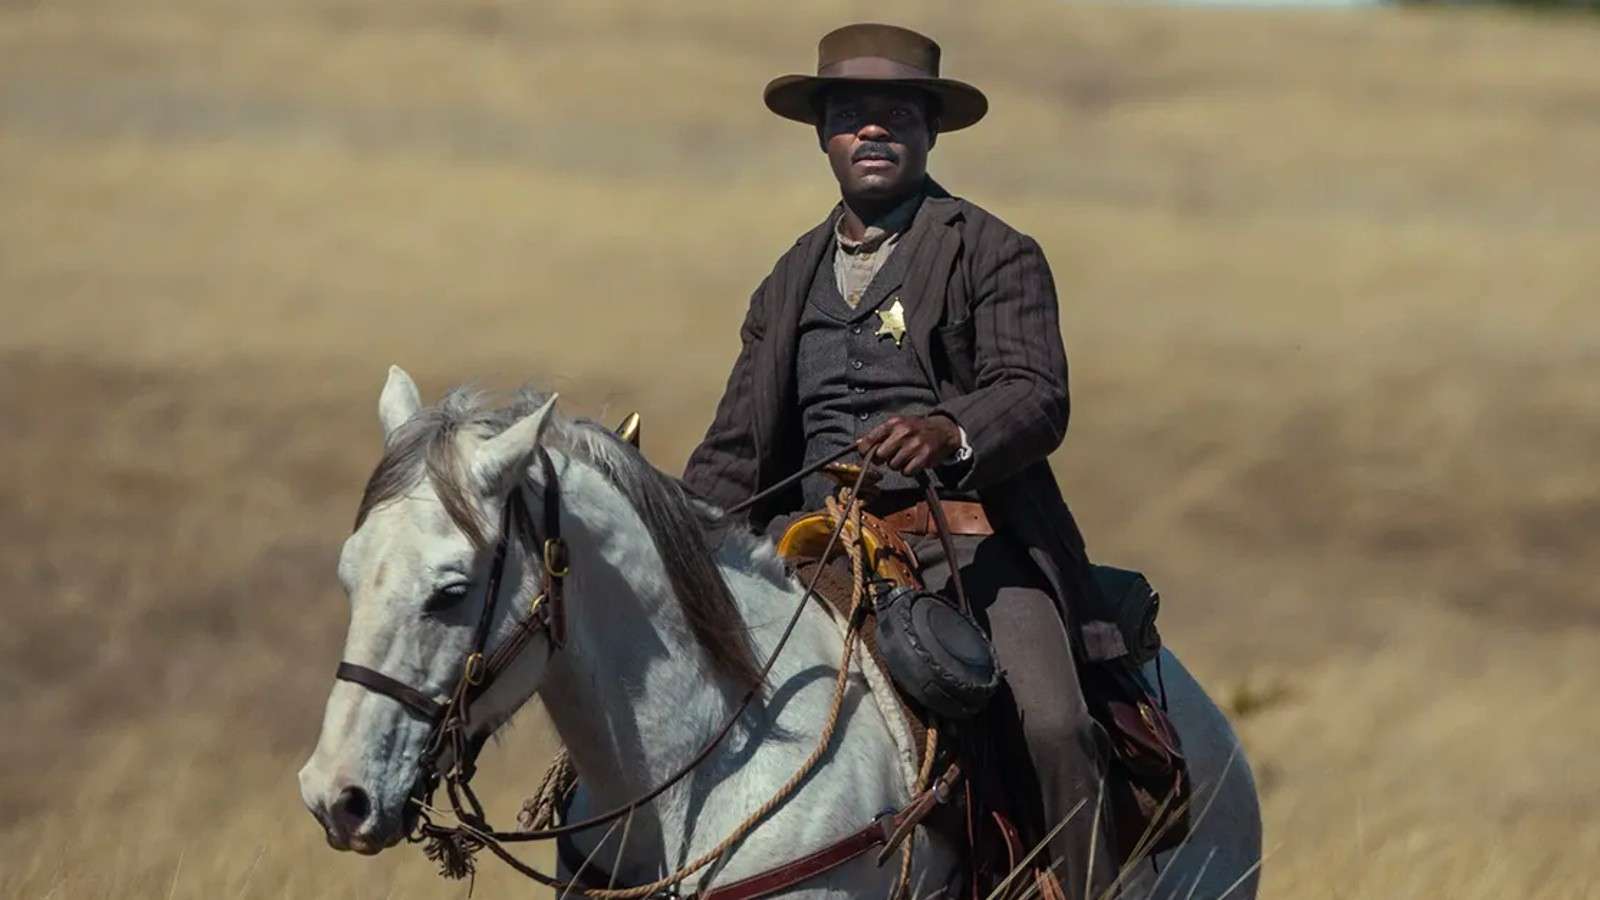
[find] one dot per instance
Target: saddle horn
(629, 429)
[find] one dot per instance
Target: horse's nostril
(350, 808)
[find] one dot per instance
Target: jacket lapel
(933, 252)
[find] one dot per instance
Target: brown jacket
(982, 318)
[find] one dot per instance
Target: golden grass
(1328, 283)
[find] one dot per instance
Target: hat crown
(870, 40)
(870, 54)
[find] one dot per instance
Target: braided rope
(539, 811)
(858, 578)
(930, 746)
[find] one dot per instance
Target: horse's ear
(503, 459)
(399, 401)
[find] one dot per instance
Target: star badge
(892, 322)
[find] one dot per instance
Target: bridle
(449, 720)
(453, 846)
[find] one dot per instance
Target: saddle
(1148, 787)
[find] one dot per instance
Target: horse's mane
(686, 533)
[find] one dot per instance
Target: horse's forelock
(427, 445)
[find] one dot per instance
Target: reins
(812, 468)
(452, 847)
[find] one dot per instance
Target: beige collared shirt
(857, 262)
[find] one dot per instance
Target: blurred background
(1328, 280)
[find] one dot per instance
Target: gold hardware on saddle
(887, 554)
(629, 429)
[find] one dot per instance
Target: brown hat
(877, 54)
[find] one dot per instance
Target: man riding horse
(919, 327)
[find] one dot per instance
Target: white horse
(667, 613)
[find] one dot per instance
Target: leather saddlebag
(1148, 789)
(1148, 785)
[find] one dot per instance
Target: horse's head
(416, 571)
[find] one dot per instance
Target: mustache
(875, 150)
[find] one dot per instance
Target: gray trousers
(1011, 600)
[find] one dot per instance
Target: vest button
(855, 363)
(861, 416)
(856, 330)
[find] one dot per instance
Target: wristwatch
(964, 452)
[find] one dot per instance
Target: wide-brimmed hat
(876, 54)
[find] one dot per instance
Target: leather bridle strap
(477, 673)
(424, 707)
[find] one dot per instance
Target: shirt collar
(889, 226)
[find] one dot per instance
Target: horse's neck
(630, 693)
(632, 696)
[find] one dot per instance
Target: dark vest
(849, 378)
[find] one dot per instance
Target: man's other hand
(910, 444)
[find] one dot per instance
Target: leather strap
(556, 561)
(965, 517)
(806, 867)
(418, 703)
(886, 831)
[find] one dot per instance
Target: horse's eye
(445, 597)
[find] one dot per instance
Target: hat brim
(960, 103)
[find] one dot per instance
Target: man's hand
(909, 444)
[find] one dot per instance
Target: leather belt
(965, 517)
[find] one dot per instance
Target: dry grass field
(1329, 283)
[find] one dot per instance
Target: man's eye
(445, 597)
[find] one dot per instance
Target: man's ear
(501, 461)
(933, 132)
(399, 401)
(822, 139)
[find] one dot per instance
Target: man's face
(877, 139)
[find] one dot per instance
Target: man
(918, 324)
